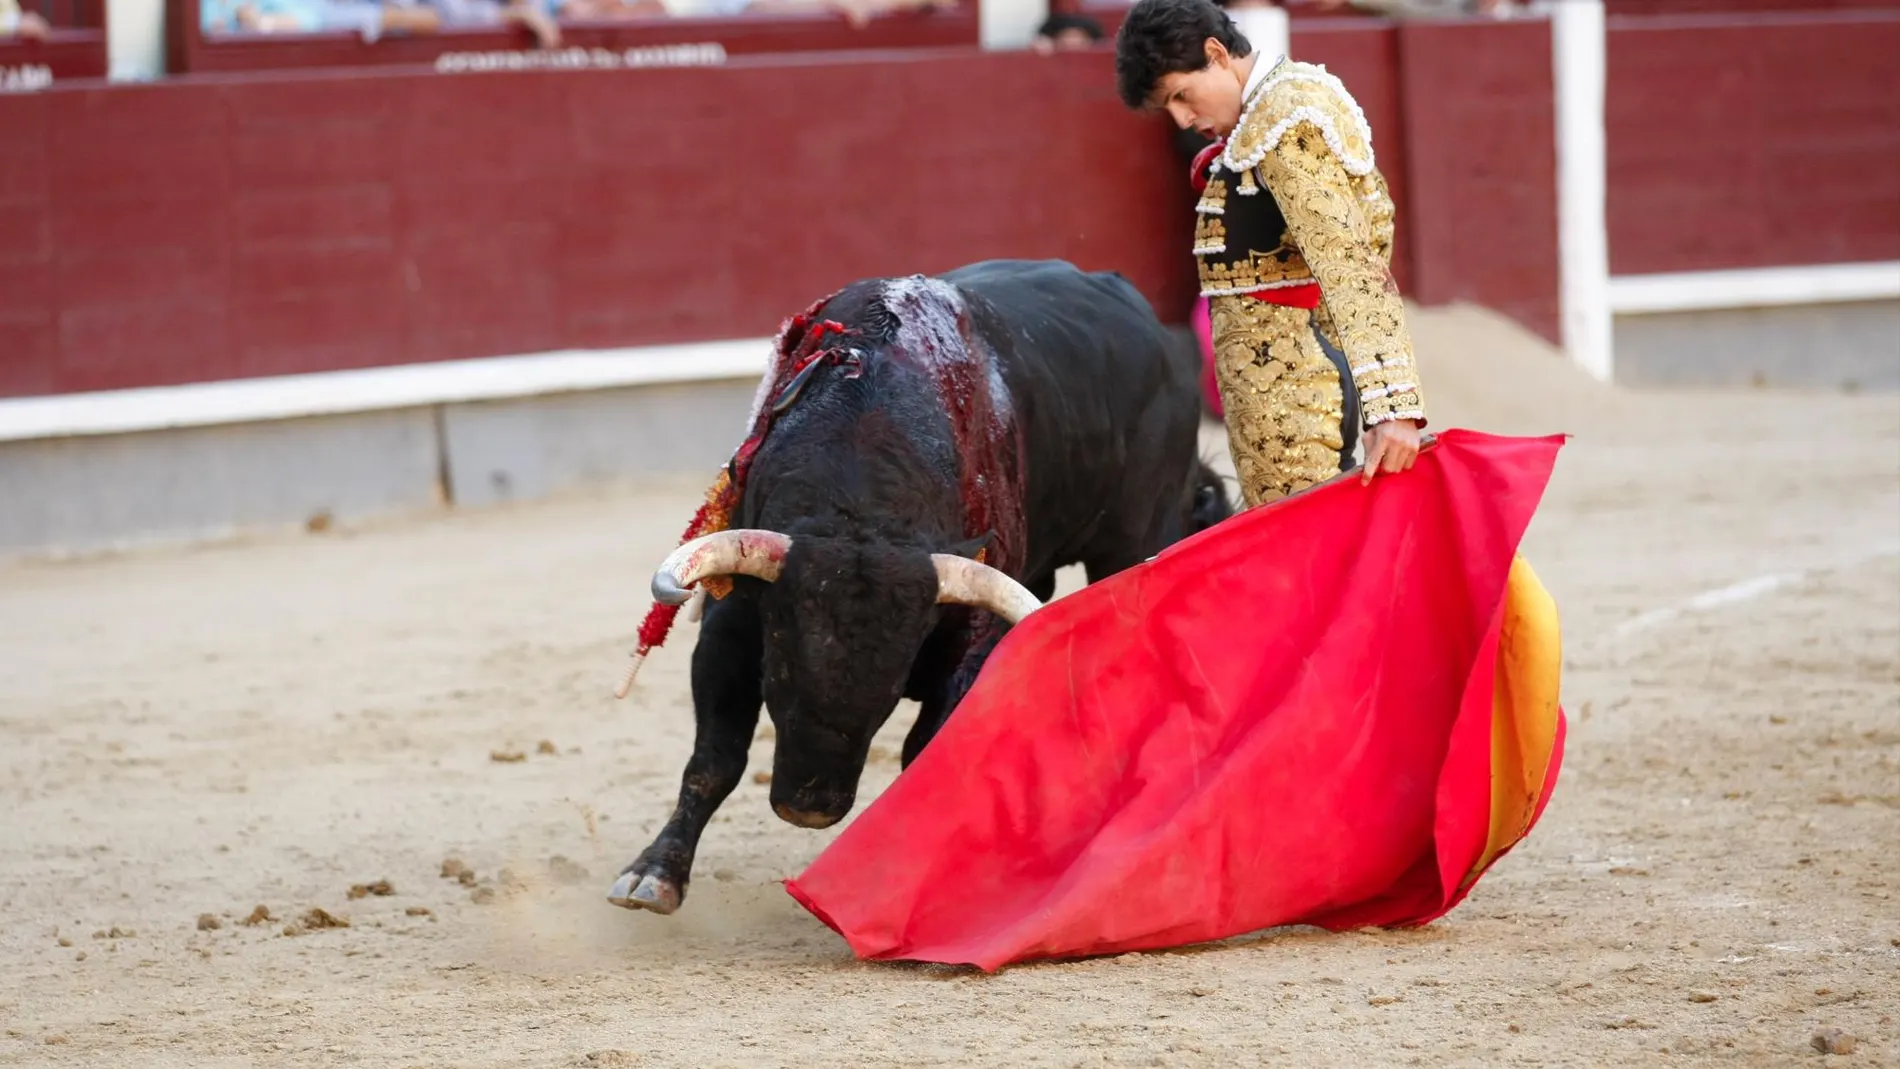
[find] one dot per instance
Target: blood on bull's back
(1108, 404)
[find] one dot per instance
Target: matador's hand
(1390, 446)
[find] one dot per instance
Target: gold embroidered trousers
(1282, 396)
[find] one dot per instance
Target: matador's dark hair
(1161, 37)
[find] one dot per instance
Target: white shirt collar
(1261, 68)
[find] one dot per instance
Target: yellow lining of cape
(1524, 709)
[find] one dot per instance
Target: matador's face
(1207, 100)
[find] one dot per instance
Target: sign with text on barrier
(25, 78)
(711, 54)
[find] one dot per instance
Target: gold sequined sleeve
(1342, 247)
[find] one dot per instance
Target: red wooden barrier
(227, 226)
(69, 14)
(1480, 120)
(1753, 140)
(75, 50)
(312, 224)
(1110, 14)
(1733, 7)
(66, 55)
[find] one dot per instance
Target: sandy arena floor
(190, 734)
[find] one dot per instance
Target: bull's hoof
(648, 892)
(806, 818)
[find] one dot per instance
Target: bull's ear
(971, 547)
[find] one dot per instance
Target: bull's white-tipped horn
(759, 554)
(962, 581)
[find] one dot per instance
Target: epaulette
(1297, 93)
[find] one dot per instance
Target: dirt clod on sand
(315, 919)
(418, 911)
(507, 757)
(364, 890)
(454, 869)
(546, 747)
(260, 915)
(209, 922)
(1833, 1041)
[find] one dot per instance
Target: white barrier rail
(1762, 287)
(372, 389)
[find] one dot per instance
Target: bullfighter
(1293, 244)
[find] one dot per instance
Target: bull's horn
(962, 581)
(759, 554)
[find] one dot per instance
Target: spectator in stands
(22, 24)
(532, 15)
(636, 9)
(1066, 33)
(856, 12)
(371, 19)
(368, 18)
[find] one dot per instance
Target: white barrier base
(102, 471)
(1765, 287)
(376, 389)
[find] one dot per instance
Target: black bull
(1027, 411)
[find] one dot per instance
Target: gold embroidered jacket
(1327, 219)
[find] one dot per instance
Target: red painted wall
(213, 229)
(1753, 140)
(69, 54)
(69, 14)
(1480, 120)
(226, 226)
(1703, 7)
